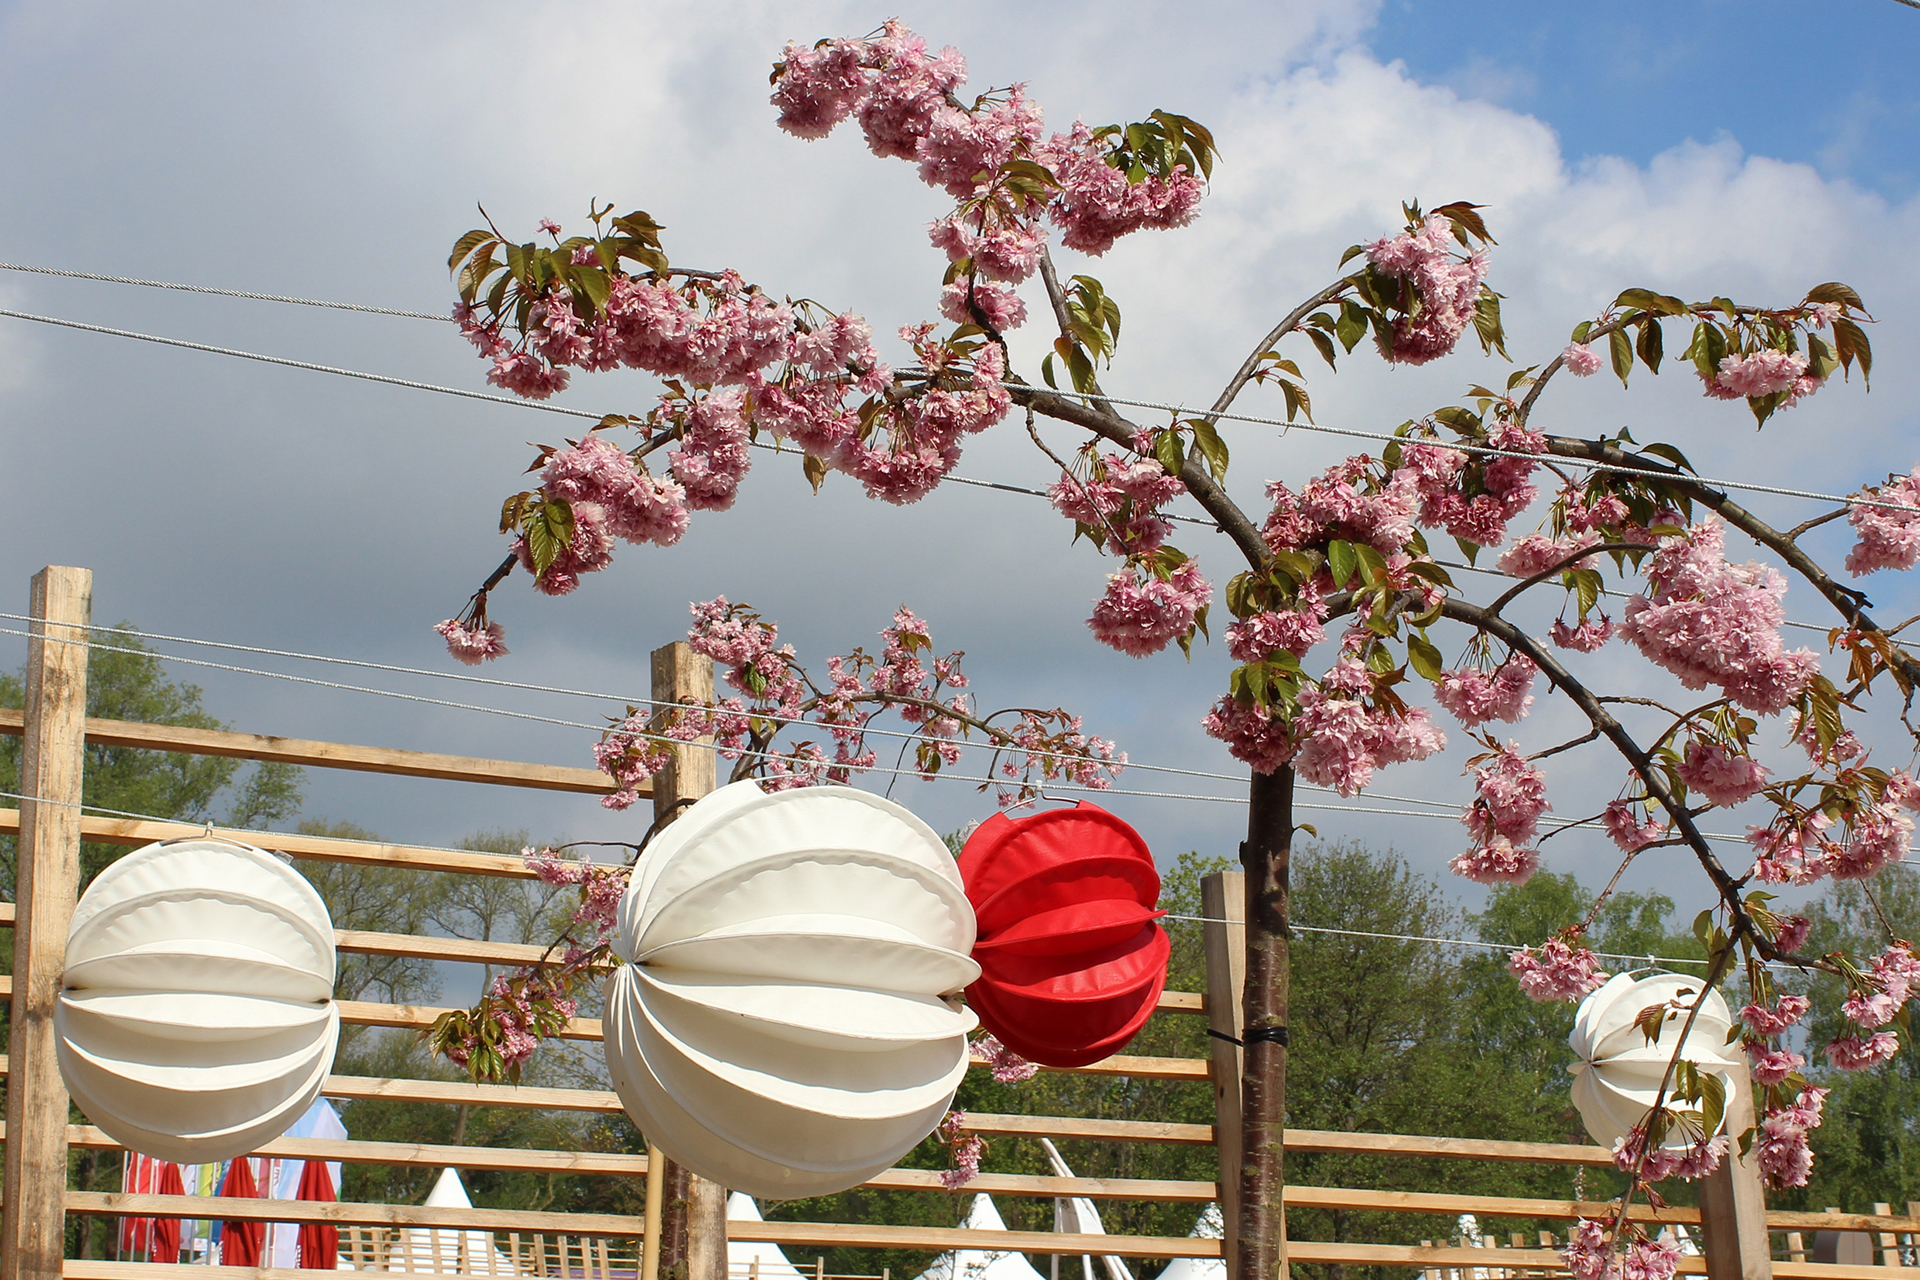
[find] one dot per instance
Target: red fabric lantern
(318, 1244)
(1072, 963)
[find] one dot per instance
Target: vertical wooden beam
(693, 1215)
(46, 881)
(1223, 896)
(1733, 1201)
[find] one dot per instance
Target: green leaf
(549, 532)
(1850, 340)
(1431, 572)
(593, 282)
(1373, 565)
(1355, 320)
(1713, 1099)
(1622, 349)
(1423, 657)
(465, 245)
(1323, 344)
(1211, 446)
(1341, 561)
(1650, 344)
(1832, 291)
(1168, 450)
(1046, 373)
(814, 469)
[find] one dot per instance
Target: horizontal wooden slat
(335, 755)
(856, 1235)
(1372, 1200)
(1182, 1002)
(466, 1094)
(1430, 1255)
(414, 1154)
(1071, 1127)
(320, 848)
(367, 943)
(1404, 1144)
(107, 1269)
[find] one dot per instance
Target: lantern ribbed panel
(196, 1020)
(789, 1025)
(1618, 1075)
(1072, 963)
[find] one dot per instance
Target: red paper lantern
(1072, 963)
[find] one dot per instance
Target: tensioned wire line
(1444, 810)
(226, 293)
(1297, 928)
(1176, 410)
(1449, 808)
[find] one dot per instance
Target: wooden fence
(1733, 1225)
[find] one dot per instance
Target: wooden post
(1266, 858)
(1223, 896)
(46, 881)
(1733, 1202)
(693, 1213)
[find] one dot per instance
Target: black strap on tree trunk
(1271, 1035)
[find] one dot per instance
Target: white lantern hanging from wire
(789, 1024)
(196, 1017)
(1619, 1071)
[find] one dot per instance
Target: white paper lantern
(1619, 1071)
(789, 1025)
(197, 1018)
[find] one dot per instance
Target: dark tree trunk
(1263, 1080)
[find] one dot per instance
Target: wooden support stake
(693, 1216)
(46, 881)
(1733, 1202)
(45, 885)
(1223, 896)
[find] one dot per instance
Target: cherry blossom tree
(1339, 604)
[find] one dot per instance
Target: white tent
(1210, 1227)
(1077, 1214)
(981, 1264)
(449, 1249)
(747, 1260)
(321, 1121)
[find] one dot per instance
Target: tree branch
(1251, 364)
(1598, 548)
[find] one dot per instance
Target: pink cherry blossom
(1588, 1253)
(1580, 360)
(1496, 861)
(1534, 555)
(1558, 971)
(1626, 831)
(1720, 777)
(1097, 203)
(1002, 307)
(1793, 849)
(1880, 835)
(1293, 631)
(1341, 740)
(1474, 696)
(473, 645)
(1903, 790)
(1003, 1064)
(1776, 1018)
(1584, 638)
(1141, 614)
(1886, 539)
(1710, 622)
(1448, 286)
(820, 87)
(1792, 933)
(1693, 1160)
(1782, 1152)
(1253, 734)
(1771, 1066)
(1857, 1053)
(1762, 373)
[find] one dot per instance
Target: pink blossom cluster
(638, 508)
(1859, 1052)
(590, 550)
(1342, 739)
(600, 887)
(1580, 360)
(1878, 835)
(1886, 985)
(1886, 539)
(1142, 612)
(1777, 1018)
(903, 98)
(1769, 1065)
(1781, 1147)
(1762, 373)
(1628, 831)
(964, 1148)
(1345, 503)
(1254, 734)
(1003, 1064)
(630, 755)
(1590, 1256)
(1719, 776)
(1509, 797)
(1686, 1161)
(1792, 849)
(1475, 696)
(1448, 287)
(1295, 631)
(1711, 622)
(1536, 554)
(1120, 501)
(473, 645)
(1561, 970)
(1440, 476)
(1584, 637)
(515, 1007)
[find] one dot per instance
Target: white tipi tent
(1210, 1227)
(449, 1249)
(747, 1260)
(1077, 1214)
(981, 1264)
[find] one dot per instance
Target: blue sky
(1832, 85)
